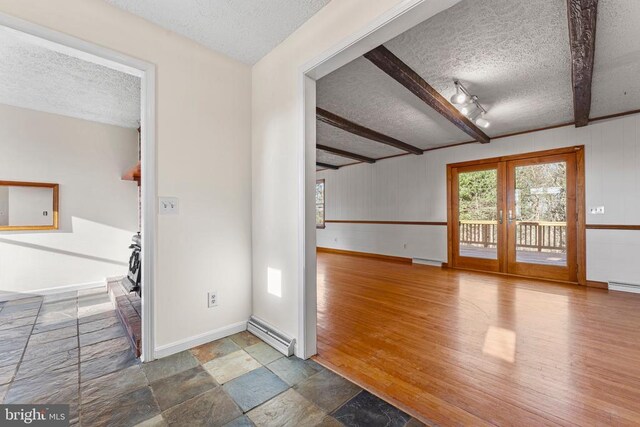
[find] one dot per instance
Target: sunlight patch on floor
(500, 343)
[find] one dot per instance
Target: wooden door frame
(491, 265)
(581, 257)
(146, 71)
(545, 271)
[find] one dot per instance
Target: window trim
(323, 204)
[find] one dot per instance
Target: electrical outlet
(598, 210)
(212, 299)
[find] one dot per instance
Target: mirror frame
(55, 188)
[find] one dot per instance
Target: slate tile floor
(70, 348)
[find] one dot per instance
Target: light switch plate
(598, 210)
(168, 205)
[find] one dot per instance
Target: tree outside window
(320, 203)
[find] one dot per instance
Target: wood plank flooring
(465, 348)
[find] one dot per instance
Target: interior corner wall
(97, 211)
(413, 188)
(203, 140)
(277, 151)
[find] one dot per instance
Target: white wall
(204, 151)
(277, 125)
(28, 205)
(97, 210)
(413, 188)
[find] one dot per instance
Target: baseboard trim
(596, 284)
(425, 261)
(61, 289)
(624, 287)
(196, 340)
(365, 255)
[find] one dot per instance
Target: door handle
(500, 217)
(510, 217)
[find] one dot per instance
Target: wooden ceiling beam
(582, 37)
(356, 129)
(382, 58)
(327, 165)
(343, 153)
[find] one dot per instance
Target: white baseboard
(624, 287)
(60, 289)
(424, 261)
(196, 340)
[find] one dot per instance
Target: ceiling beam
(582, 38)
(343, 153)
(382, 58)
(327, 165)
(356, 129)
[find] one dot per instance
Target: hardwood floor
(466, 348)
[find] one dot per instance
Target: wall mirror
(28, 206)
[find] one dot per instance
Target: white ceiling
(616, 69)
(364, 94)
(513, 54)
(242, 29)
(338, 138)
(34, 77)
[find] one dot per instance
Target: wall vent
(624, 287)
(268, 334)
(425, 261)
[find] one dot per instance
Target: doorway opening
(520, 215)
(76, 50)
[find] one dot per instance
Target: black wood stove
(132, 281)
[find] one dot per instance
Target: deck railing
(530, 235)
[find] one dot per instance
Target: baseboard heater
(268, 334)
(624, 287)
(425, 261)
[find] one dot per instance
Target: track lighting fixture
(470, 106)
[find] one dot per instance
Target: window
(320, 203)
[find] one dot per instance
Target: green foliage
(540, 193)
(478, 195)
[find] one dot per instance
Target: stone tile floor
(71, 348)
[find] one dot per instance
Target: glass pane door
(477, 221)
(478, 216)
(539, 201)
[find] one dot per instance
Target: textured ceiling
(332, 159)
(338, 138)
(616, 70)
(513, 54)
(242, 29)
(364, 94)
(37, 78)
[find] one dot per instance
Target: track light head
(460, 97)
(483, 123)
(468, 109)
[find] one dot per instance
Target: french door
(516, 215)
